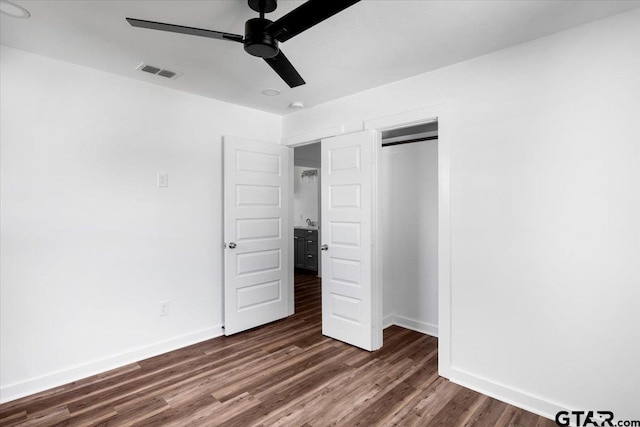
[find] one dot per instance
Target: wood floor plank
(523, 418)
(506, 416)
(186, 413)
(42, 418)
(96, 416)
(153, 385)
(392, 389)
(261, 376)
(325, 401)
(285, 373)
(458, 409)
(234, 407)
(13, 417)
(436, 396)
(385, 402)
(487, 413)
(398, 416)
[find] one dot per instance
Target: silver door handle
(232, 245)
(324, 248)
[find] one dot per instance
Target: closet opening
(408, 197)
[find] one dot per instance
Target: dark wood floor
(285, 373)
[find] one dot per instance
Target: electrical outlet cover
(164, 308)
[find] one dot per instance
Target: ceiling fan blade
(285, 70)
(306, 16)
(184, 30)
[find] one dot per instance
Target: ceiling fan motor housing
(257, 41)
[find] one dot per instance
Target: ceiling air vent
(166, 73)
(158, 71)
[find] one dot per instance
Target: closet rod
(409, 141)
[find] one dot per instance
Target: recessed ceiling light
(13, 10)
(271, 92)
(296, 104)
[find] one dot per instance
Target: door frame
(292, 147)
(290, 273)
(440, 113)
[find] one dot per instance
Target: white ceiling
(372, 43)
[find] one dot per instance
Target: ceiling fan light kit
(262, 36)
(257, 41)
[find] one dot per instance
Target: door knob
(324, 248)
(232, 245)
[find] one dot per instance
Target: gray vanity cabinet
(305, 245)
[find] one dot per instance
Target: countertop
(306, 227)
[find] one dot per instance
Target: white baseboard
(512, 396)
(55, 379)
(414, 325)
(387, 321)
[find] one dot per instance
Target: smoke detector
(13, 10)
(151, 69)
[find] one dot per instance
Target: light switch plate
(163, 180)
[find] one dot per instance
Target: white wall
(305, 198)
(89, 245)
(545, 201)
(409, 209)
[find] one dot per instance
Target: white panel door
(256, 232)
(347, 232)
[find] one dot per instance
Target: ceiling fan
(261, 36)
